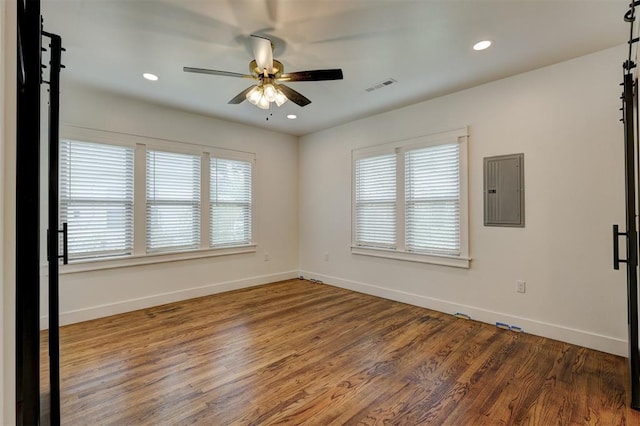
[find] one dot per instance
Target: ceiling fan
(269, 74)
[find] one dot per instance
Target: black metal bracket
(630, 15)
(616, 248)
(65, 243)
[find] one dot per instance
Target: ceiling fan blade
(314, 75)
(240, 97)
(294, 96)
(262, 52)
(216, 72)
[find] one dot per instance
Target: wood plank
(296, 352)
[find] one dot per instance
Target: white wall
(98, 293)
(565, 119)
(2, 143)
(7, 209)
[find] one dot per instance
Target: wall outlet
(266, 257)
(521, 286)
(326, 256)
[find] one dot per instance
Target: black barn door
(29, 79)
(55, 49)
(630, 121)
(28, 213)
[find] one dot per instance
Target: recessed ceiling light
(149, 76)
(292, 116)
(481, 45)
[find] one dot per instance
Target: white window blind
(96, 198)
(230, 202)
(375, 201)
(173, 201)
(432, 195)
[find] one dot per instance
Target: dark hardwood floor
(295, 352)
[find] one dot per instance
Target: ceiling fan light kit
(280, 98)
(269, 74)
(265, 93)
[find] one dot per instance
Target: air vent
(384, 83)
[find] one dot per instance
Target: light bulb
(280, 98)
(263, 103)
(269, 92)
(254, 95)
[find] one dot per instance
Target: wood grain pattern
(295, 352)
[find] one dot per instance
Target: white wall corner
(552, 331)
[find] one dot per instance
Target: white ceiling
(424, 45)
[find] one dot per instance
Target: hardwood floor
(295, 352)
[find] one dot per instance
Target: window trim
(459, 136)
(140, 144)
(85, 265)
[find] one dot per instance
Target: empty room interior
(327, 212)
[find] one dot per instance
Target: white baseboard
(93, 312)
(552, 331)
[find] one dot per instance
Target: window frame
(140, 144)
(400, 252)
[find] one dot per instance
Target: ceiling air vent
(383, 83)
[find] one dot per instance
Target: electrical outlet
(266, 257)
(521, 286)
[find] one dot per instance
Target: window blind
(432, 194)
(173, 201)
(375, 198)
(230, 202)
(96, 198)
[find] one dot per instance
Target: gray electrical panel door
(504, 190)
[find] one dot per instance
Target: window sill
(454, 261)
(147, 259)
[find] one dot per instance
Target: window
(376, 201)
(131, 200)
(230, 208)
(173, 201)
(410, 200)
(96, 198)
(432, 197)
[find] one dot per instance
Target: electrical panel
(504, 190)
